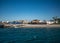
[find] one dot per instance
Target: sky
(29, 9)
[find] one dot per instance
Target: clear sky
(29, 9)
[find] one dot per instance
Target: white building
(25, 21)
(50, 22)
(41, 21)
(7, 21)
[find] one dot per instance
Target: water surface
(29, 35)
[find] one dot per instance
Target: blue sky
(29, 9)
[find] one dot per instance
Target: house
(35, 21)
(50, 22)
(42, 22)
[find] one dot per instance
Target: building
(25, 21)
(43, 22)
(35, 21)
(50, 22)
(15, 22)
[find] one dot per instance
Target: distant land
(55, 22)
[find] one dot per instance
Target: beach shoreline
(31, 25)
(39, 26)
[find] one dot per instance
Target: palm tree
(56, 19)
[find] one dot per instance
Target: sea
(29, 35)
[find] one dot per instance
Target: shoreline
(31, 25)
(40, 26)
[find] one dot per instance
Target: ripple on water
(30, 35)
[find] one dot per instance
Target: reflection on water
(29, 35)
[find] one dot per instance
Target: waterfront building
(25, 21)
(42, 22)
(15, 22)
(50, 22)
(35, 21)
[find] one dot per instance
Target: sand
(31, 25)
(38, 26)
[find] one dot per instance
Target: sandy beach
(38, 26)
(31, 25)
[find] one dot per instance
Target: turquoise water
(29, 35)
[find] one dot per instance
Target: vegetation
(56, 19)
